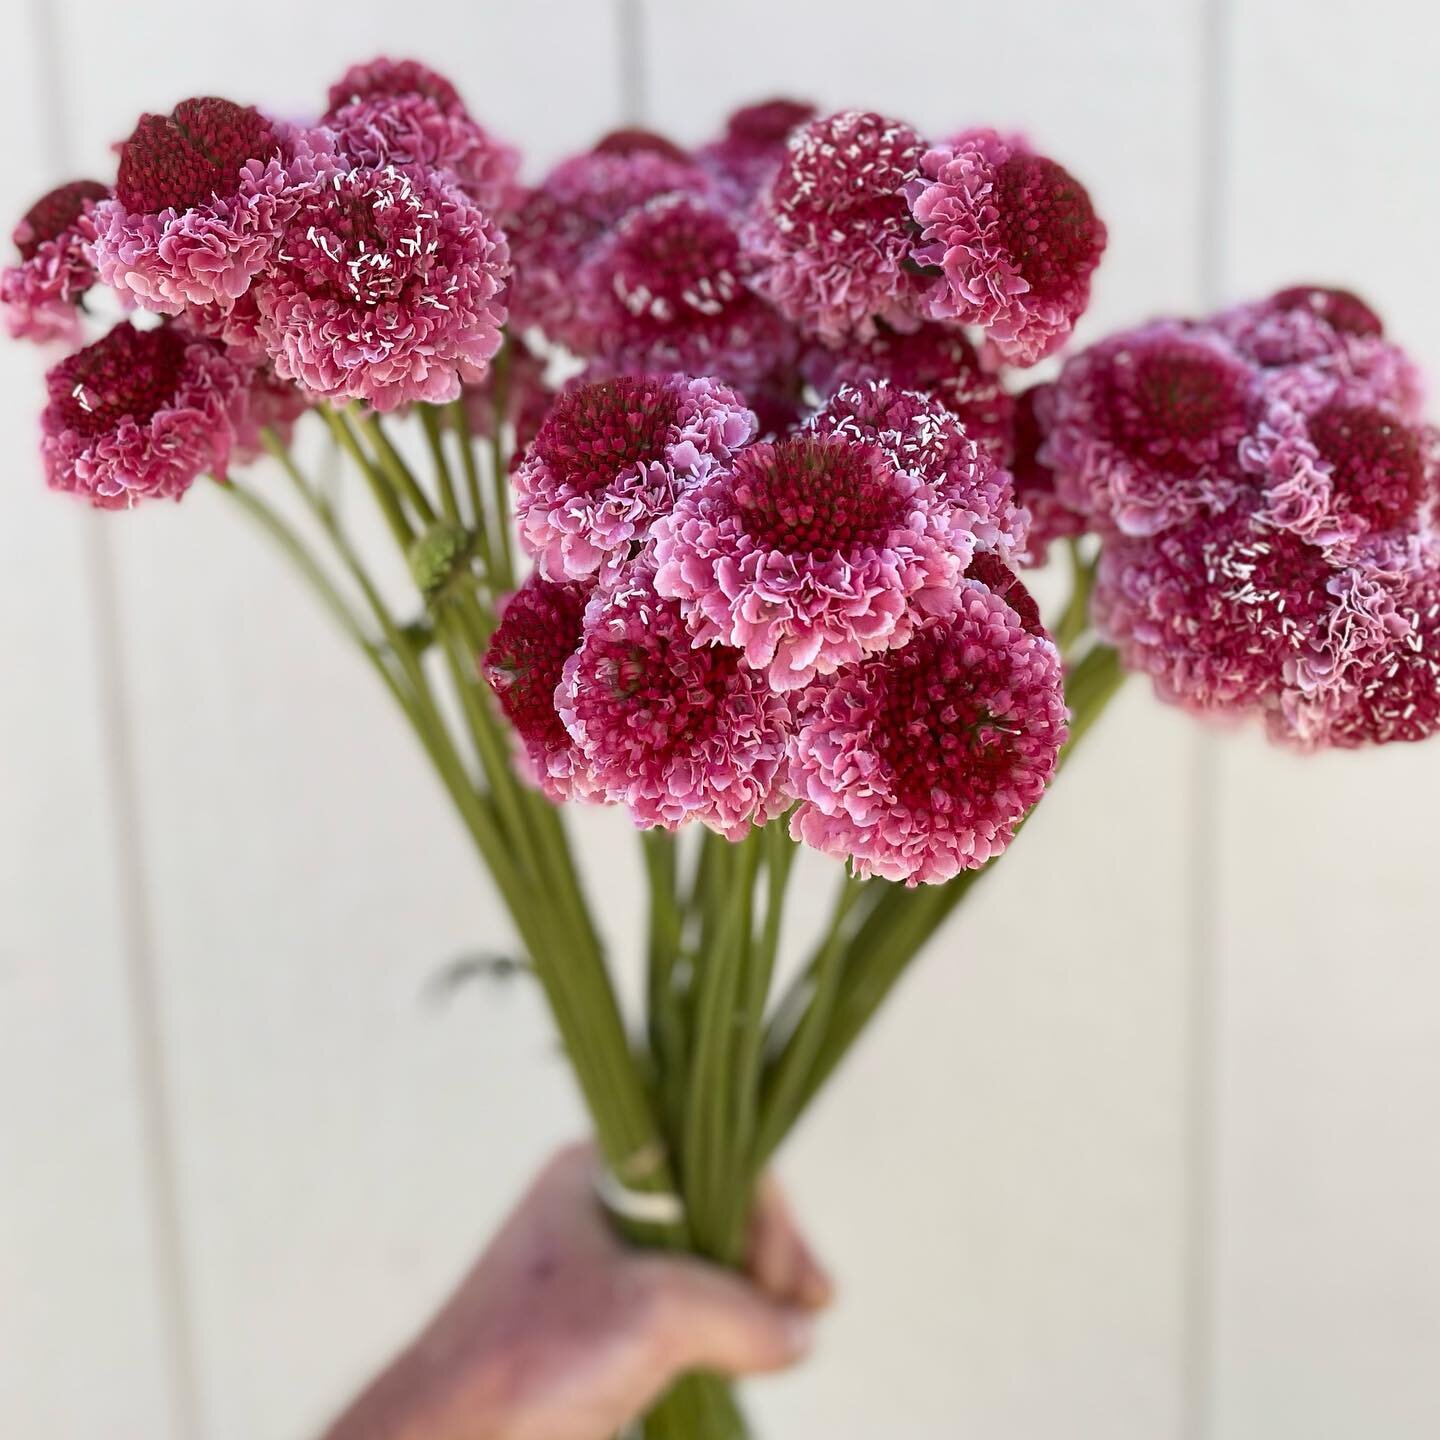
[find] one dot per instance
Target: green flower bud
(438, 556)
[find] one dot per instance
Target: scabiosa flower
(387, 286)
(199, 199)
(1229, 616)
(139, 415)
(831, 235)
(1145, 427)
(674, 731)
(935, 359)
(527, 395)
(41, 295)
(1015, 239)
(539, 630)
(384, 78)
(611, 456)
(921, 762)
(922, 437)
(808, 554)
(666, 291)
(1050, 518)
(747, 156)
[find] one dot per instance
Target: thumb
(709, 1319)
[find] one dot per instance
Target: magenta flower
(386, 286)
(920, 763)
(1014, 237)
(666, 291)
(1146, 426)
(527, 396)
(139, 415)
(383, 78)
(808, 554)
(41, 295)
(539, 630)
(831, 235)
(674, 731)
(611, 456)
(1050, 518)
(938, 361)
(745, 159)
(199, 200)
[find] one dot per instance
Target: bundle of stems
(688, 1112)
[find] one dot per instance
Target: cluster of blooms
(723, 628)
(1268, 497)
(270, 265)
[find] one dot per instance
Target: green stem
(500, 465)
(399, 474)
(460, 419)
(435, 439)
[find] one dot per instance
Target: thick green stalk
(460, 420)
(435, 439)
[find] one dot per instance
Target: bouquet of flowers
(754, 408)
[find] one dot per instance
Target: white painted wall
(1145, 1150)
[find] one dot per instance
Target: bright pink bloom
(674, 731)
(271, 404)
(1050, 518)
(1229, 616)
(1014, 236)
(139, 415)
(831, 235)
(387, 286)
(920, 763)
(808, 554)
(41, 295)
(199, 201)
(666, 291)
(1146, 426)
(924, 439)
(746, 158)
(611, 456)
(539, 630)
(382, 77)
(938, 361)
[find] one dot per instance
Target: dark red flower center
(852, 166)
(595, 432)
(997, 577)
(184, 158)
(394, 77)
(538, 634)
(1345, 310)
(638, 142)
(768, 122)
(943, 740)
(1047, 223)
(815, 494)
(1176, 407)
(128, 375)
(1031, 477)
(51, 215)
(1376, 464)
(676, 263)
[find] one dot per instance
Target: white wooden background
(1145, 1150)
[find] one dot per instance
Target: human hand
(563, 1332)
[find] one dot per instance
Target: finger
(707, 1319)
(780, 1259)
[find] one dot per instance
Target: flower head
(382, 78)
(673, 730)
(1014, 237)
(40, 294)
(1146, 426)
(387, 286)
(831, 235)
(666, 291)
(747, 156)
(610, 457)
(1050, 518)
(920, 763)
(539, 630)
(808, 554)
(199, 200)
(139, 415)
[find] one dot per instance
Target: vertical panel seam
(118, 763)
(630, 32)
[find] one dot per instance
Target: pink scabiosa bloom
(1336, 465)
(672, 730)
(1014, 237)
(1145, 427)
(1050, 518)
(808, 554)
(747, 156)
(935, 359)
(40, 296)
(200, 196)
(387, 286)
(920, 763)
(925, 440)
(666, 291)
(384, 78)
(831, 235)
(139, 415)
(1228, 616)
(611, 456)
(539, 630)
(521, 385)
(271, 404)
